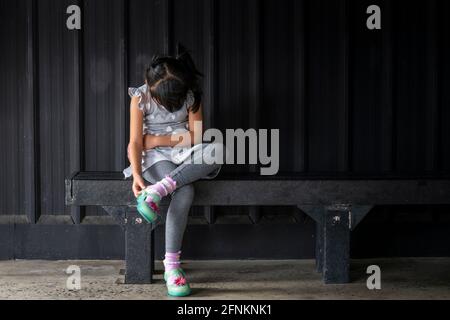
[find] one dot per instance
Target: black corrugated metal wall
(347, 99)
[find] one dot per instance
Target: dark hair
(170, 78)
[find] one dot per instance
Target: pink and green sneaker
(177, 285)
(148, 205)
(149, 199)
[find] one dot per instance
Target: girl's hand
(138, 185)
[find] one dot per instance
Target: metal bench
(337, 204)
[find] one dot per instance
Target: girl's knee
(185, 193)
(214, 153)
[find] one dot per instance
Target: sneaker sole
(180, 295)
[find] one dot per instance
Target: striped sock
(172, 261)
(164, 187)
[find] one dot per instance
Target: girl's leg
(176, 221)
(177, 215)
(190, 172)
(158, 171)
(184, 175)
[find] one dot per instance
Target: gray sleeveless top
(159, 121)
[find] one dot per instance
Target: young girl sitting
(164, 113)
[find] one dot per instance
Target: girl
(164, 113)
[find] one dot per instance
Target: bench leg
(152, 251)
(317, 213)
(319, 246)
(333, 227)
(139, 255)
(336, 238)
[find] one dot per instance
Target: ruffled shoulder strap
(138, 92)
(142, 93)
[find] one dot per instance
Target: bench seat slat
(99, 175)
(110, 192)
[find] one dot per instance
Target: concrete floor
(401, 279)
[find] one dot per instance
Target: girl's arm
(135, 146)
(184, 139)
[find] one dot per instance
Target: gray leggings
(180, 204)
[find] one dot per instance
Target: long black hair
(170, 78)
